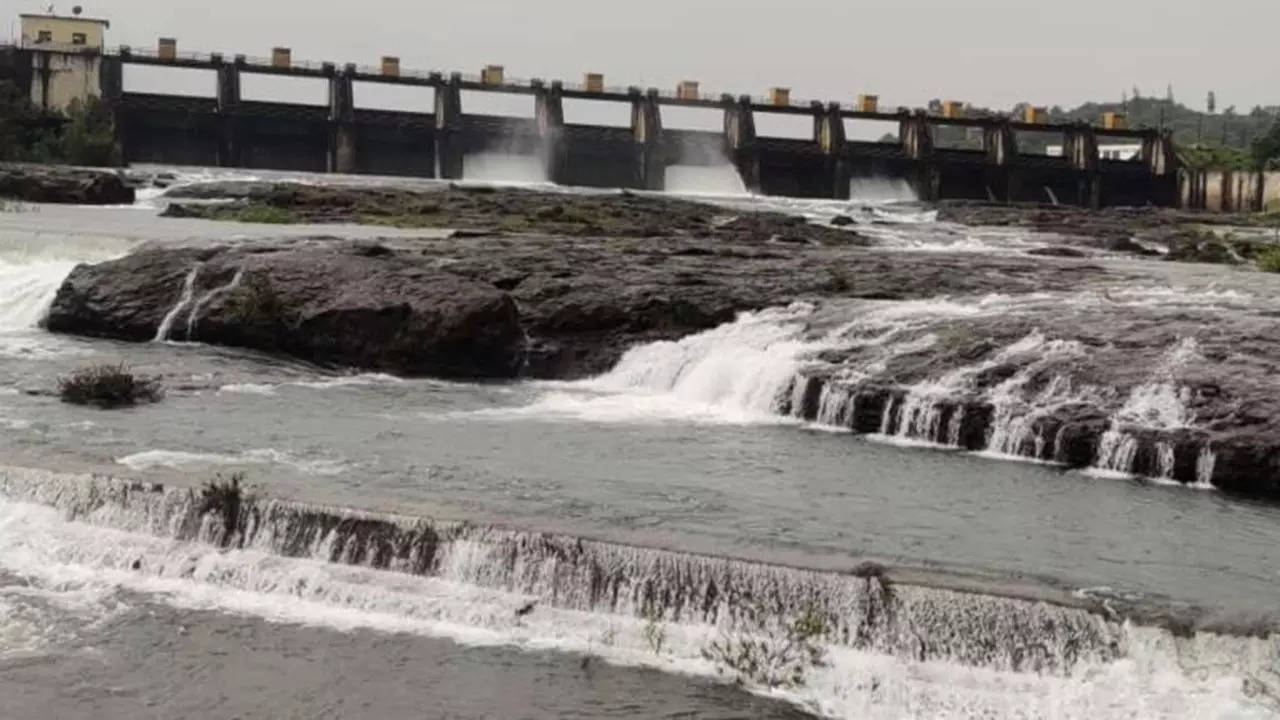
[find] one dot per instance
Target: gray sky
(988, 52)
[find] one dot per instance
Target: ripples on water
(682, 446)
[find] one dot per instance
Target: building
(66, 57)
(66, 33)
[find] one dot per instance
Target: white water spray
(712, 180)
(26, 290)
(1161, 404)
(744, 367)
(881, 190)
(915, 652)
(504, 168)
(208, 297)
(184, 300)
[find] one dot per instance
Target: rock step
(1071, 436)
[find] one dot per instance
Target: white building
(66, 61)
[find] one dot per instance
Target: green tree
(89, 137)
(84, 135)
(1266, 149)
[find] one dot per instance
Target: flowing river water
(680, 478)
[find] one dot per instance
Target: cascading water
(33, 267)
(715, 180)
(194, 316)
(934, 410)
(881, 189)
(890, 648)
(747, 366)
(1021, 400)
(1161, 405)
(502, 167)
(184, 301)
(26, 291)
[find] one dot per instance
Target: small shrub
(768, 652)
(255, 303)
(108, 386)
(224, 497)
(1269, 260)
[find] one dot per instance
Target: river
(680, 451)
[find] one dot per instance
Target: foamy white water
(876, 189)
(1161, 404)
(180, 459)
(742, 369)
(712, 180)
(26, 290)
(181, 305)
(503, 168)
(1158, 676)
(346, 381)
(209, 296)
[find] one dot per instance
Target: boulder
(72, 186)
(330, 303)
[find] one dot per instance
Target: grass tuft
(1269, 260)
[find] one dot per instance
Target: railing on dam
(575, 90)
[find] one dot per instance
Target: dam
(225, 129)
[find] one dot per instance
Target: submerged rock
(54, 184)
(329, 303)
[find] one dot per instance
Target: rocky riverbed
(1159, 233)
(1163, 233)
(588, 276)
(1049, 354)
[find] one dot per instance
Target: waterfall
(881, 190)
(1206, 463)
(194, 317)
(705, 180)
(504, 167)
(1018, 400)
(184, 301)
(749, 365)
(1159, 405)
(26, 290)
(837, 406)
(862, 609)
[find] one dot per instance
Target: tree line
(85, 134)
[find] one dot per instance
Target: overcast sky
(988, 52)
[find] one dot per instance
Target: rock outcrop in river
(329, 303)
(1059, 359)
(582, 301)
(54, 184)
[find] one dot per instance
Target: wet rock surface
(330, 303)
(490, 210)
(581, 301)
(53, 184)
(1180, 387)
(1165, 233)
(1045, 354)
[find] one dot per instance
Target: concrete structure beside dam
(224, 129)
